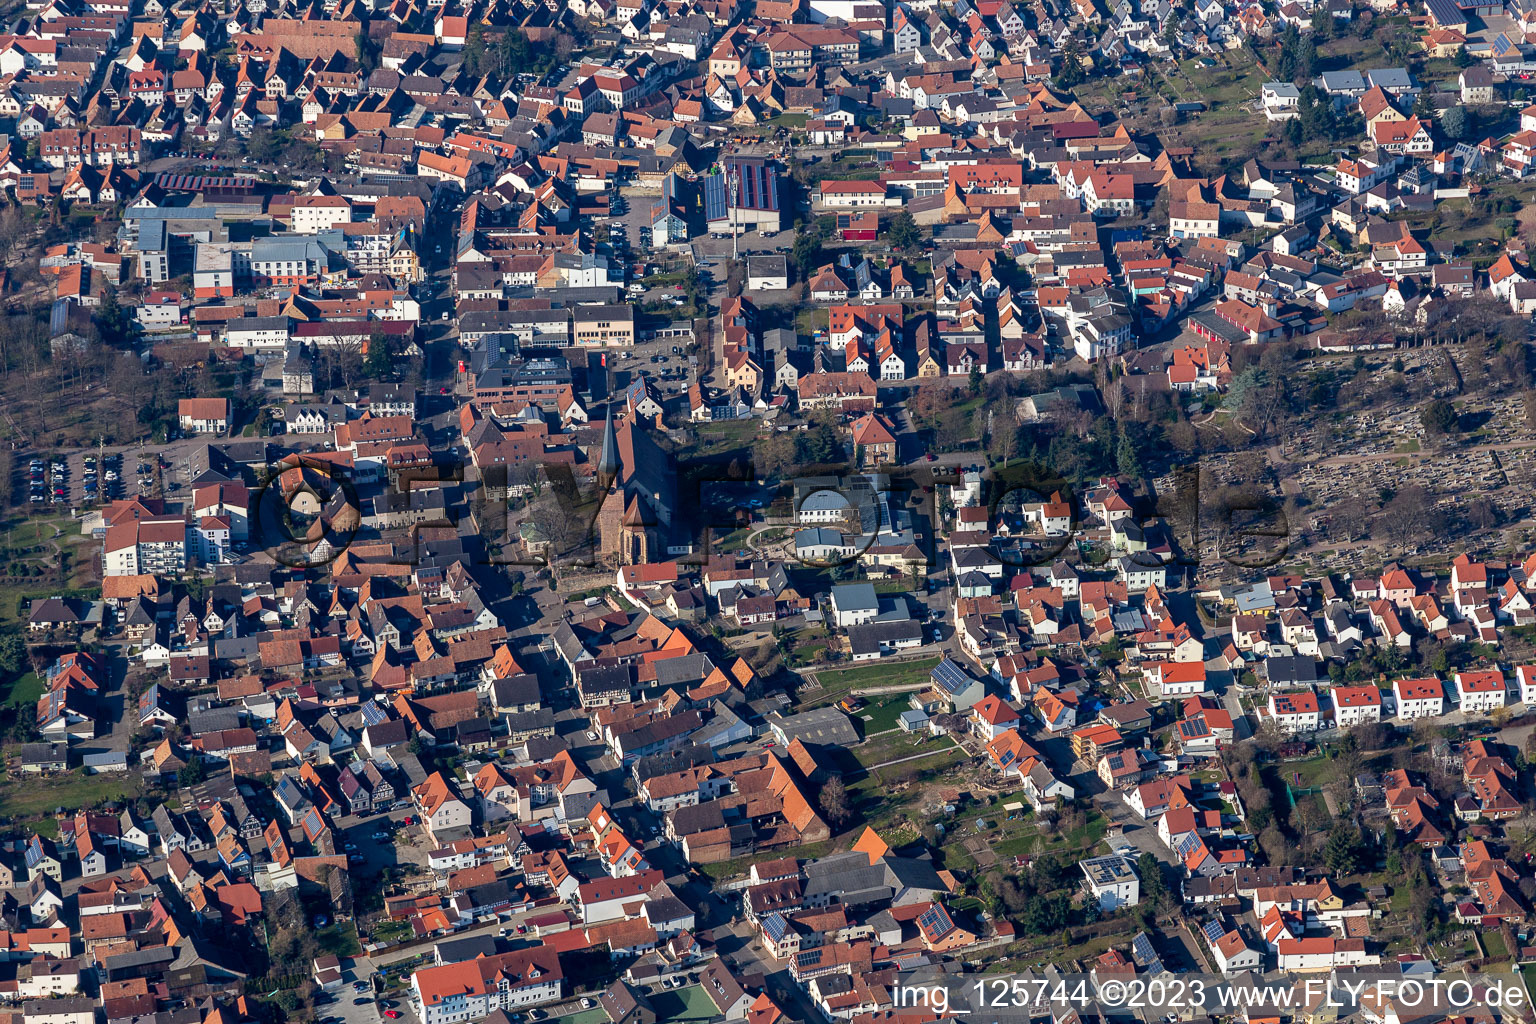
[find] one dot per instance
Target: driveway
(350, 1005)
(1134, 831)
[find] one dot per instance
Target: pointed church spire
(608, 463)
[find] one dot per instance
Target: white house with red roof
(992, 716)
(1419, 698)
(1481, 692)
(1175, 678)
(1515, 605)
(1055, 713)
(1388, 625)
(1505, 273)
(1356, 705)
(1469, 574)
(1295, 713)
(1204, 728)
(1525, 678)
(1232, 953)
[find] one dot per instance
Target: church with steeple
(638, 482)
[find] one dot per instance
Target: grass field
(23, 690)
(731, 868)
(596, 1015)
(893, 673)
(893, 745)
(1493, 944)
(872, 790)
(1314, 771)
(881, 713)
(339, 938)
(13, 617)
(25, 796)
(683, 1004)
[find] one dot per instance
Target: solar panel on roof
(808, 958)
(950, 676)
(1188, 844)
(934, 921)
(774, 926)
(1214, 931)
(1141, 949)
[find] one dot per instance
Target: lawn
(339, 938)
(809, 321)
(726, 436)
(25, 797)
(1315, 771)
(739, 866)
(1086, 836)
(881, 713)
(804, 652)
(596, 1015)
(895, 673)
(1228, 130)
(894, 745)
(23, 690)
(391, 932)
(683, 1004)
(734, 540)
(11, 614)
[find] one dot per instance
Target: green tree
(1440, 417)
(1127, 460)
(13, 652)
(903, 232)
(1112, 651)
(1285, 63)
(379, 364)
(367, 53)
(113, 319)
(1342, 851)
(1151, 871)
(1306, 57)
(1454, 122)
(1071, 72)
(473, 54)
(806, 253)
(191, 773)
(1322, 24)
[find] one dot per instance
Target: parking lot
(86, 477)
(77, 479)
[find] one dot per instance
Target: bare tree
(1407, 515)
